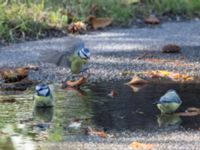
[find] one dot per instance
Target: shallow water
(135, 110)
(132, 109)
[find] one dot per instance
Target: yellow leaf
(141, 146)
(164, 72)
(170, 75)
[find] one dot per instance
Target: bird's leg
(69, 77)
(85, 72)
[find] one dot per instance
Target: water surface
(132, 109)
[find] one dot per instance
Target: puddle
(136, 111)
(76, 110)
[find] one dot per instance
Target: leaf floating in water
(142, 146)
(137, 81)
(113, 94)
(99, 22)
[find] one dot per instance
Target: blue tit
(79, 60)
(44, 96)
(169, 102)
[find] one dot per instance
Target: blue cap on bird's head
(42, 90)
(84, 53)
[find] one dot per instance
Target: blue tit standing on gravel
(169, 102)
(44, 96)
(79, 60)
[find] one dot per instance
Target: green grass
(187, 8)
(20, 19)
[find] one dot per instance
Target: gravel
(114, 51)
(176, 140)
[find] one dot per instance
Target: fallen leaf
(77, 83)
(16, 74)
(191, 111)
(99, 22)
(171, 48)
(113, 93)
(152, 20)
(93, 132)
(137, 81)
(142, 146)
(77, 27)
(169, 75)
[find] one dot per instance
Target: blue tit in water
(169, 102)
(79, 59)
(44, 96)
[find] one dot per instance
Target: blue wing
(170, 97)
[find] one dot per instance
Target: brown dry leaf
(16, 74)
(99, 22)
(171, 48)
(93, 132)
(78, 82)
(77, 27)
(137, 81)
(142, 146)
(152, 20)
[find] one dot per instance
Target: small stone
(152, 20)
(171, 48)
